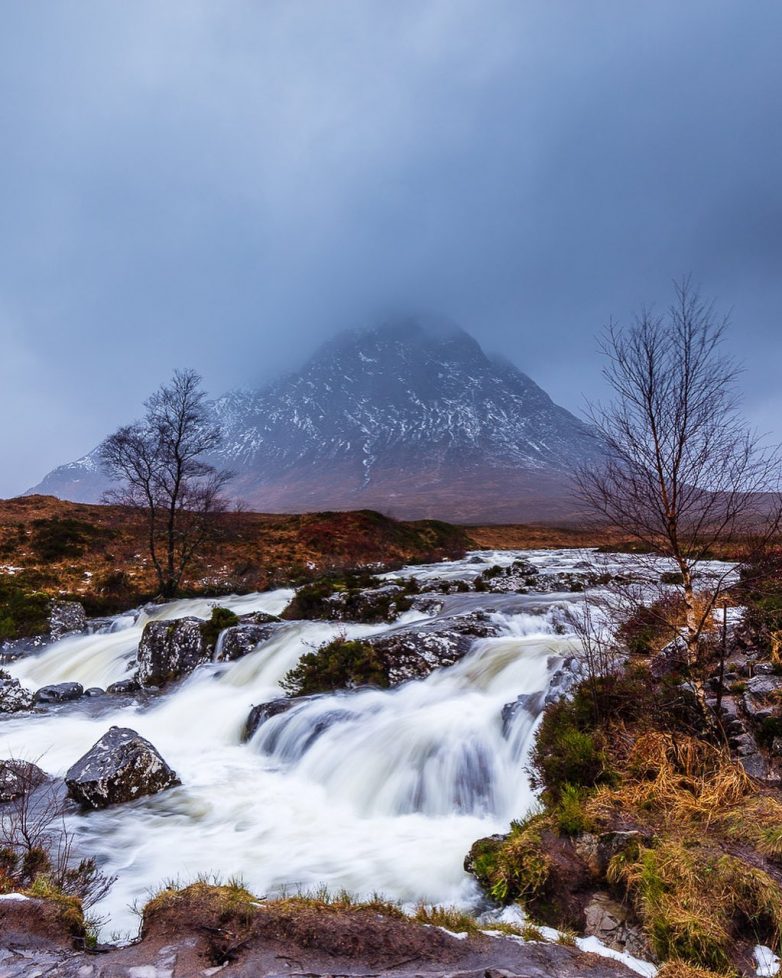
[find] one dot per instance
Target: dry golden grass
(680, 969)
(675, 780)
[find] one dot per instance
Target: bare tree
(35, 840)
(160, 464)
(683, 473)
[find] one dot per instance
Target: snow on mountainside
(414, 420)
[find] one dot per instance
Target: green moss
(341, 664)
(221, 619)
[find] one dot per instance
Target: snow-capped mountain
(411, 419)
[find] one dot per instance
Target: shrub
(22, 611)
(341, 664)
(571, 813)
(649, 628)
(61, 537)
(568, 751)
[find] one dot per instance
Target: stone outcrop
(14, 698)
(169, 650)
(120, 767)
(415, 652)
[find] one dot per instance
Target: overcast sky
(223, 185)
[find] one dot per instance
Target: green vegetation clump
(220, 619)
(341, 664)
(515, 867)
(23, 609)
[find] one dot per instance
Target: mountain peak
(408, 416)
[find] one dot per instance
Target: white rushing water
(374, 791)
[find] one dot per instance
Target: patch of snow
(766, 962)
(594, 946)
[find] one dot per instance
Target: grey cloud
(222, 185)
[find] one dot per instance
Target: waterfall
(371, 790)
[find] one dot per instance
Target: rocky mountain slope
(414, 420)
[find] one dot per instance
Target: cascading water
(373, 790)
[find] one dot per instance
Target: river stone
(236, 641)
(66, 617)
(171, 649)
(18, 778)
(124, 686)
(13, 696)
(265, 711)
(59, 693)
(120, 767)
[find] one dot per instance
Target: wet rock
(565, 679)
(169, 650)
(428, 604)
(66, 617)
(120, 767)
(14, 698)
(18, 778)
(265, 711)
(94, 691)
(414, 652)
(764, 668)
(597, 851)
(531, 703)
(237, 641)
(59, 693)
(124, 686)
(479, 850)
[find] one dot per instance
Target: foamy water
(373, 790)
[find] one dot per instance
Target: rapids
(372, 791)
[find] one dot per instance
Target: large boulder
(120, 767)
(414, 652)
(14, 698)
(169, 650)
(66, 617)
